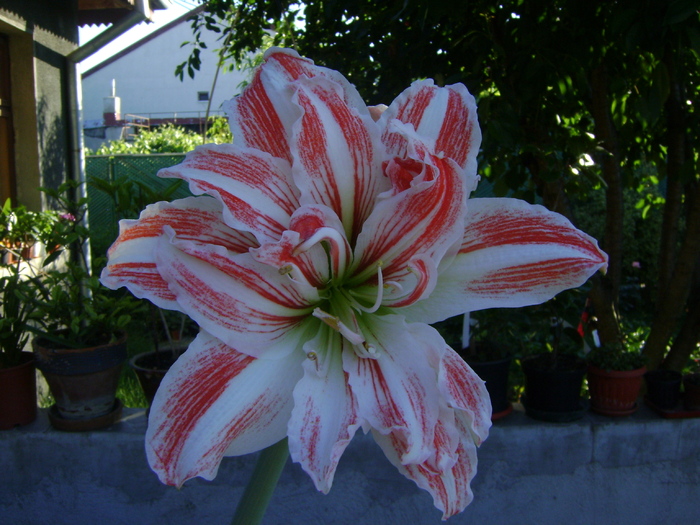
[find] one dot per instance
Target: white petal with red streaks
(255, 188)
(464, 391)
(324, 418)
(245, 304)
(132, 256)
(444, 117)
(215, 401)
(301, 252)
(513, 254)
(261, 117)
(397, 390)
(422, 216)
(449, 483)
(337, 153)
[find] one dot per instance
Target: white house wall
(146, 82)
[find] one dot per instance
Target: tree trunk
(688, 338)
(675, 140)
(675, 274)
(604, 295)
(672, 303)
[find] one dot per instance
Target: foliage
(577, 100)
(71, 307)
(15, 314)
(130, 197)
(616, 356)
(22, 228)
(169, 138)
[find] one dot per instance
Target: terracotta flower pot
(83, 382)
(614, 392)
(18, 393)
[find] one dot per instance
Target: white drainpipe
(140, 13)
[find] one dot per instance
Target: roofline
(143, 40)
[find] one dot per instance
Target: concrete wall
(638, 470)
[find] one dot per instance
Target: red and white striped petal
(449, 483)
(396, 390)
(300, 252)
(132, 256)
(324, 418)
(261, 117)
(215, 401)
(513, 254)
(464, 391)
(423, 218)
(444, 117)
(337, 153)
(255, 188)
(243, 303)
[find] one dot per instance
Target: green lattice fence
(124, 170)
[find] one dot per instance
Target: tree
(576, 99)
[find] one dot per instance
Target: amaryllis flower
(320, 244)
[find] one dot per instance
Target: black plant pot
(663, 388)
(553, 389)
(150, 369)
(495, 374)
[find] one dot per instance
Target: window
(202, 96)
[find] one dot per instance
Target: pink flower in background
(320, 245)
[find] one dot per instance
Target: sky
(160, 18)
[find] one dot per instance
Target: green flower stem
(251, 508)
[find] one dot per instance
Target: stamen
(285, 270)
(311, 356)
(380, 290)
(393, 284)
(322, 234)
(336, 324)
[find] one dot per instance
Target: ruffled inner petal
(262, 118)
(448, 478)
(337, 153)
(444, 117)
(420, 219)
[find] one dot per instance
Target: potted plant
(663, 389)
(615, 375)
(170, 335)
(492, 340)
(81, 344)
(691, 386)
(20, 231)
(18, 403)
(554, 378)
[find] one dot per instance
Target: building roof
(99, 12)
(142, 41)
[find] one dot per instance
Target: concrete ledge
(637, 470)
